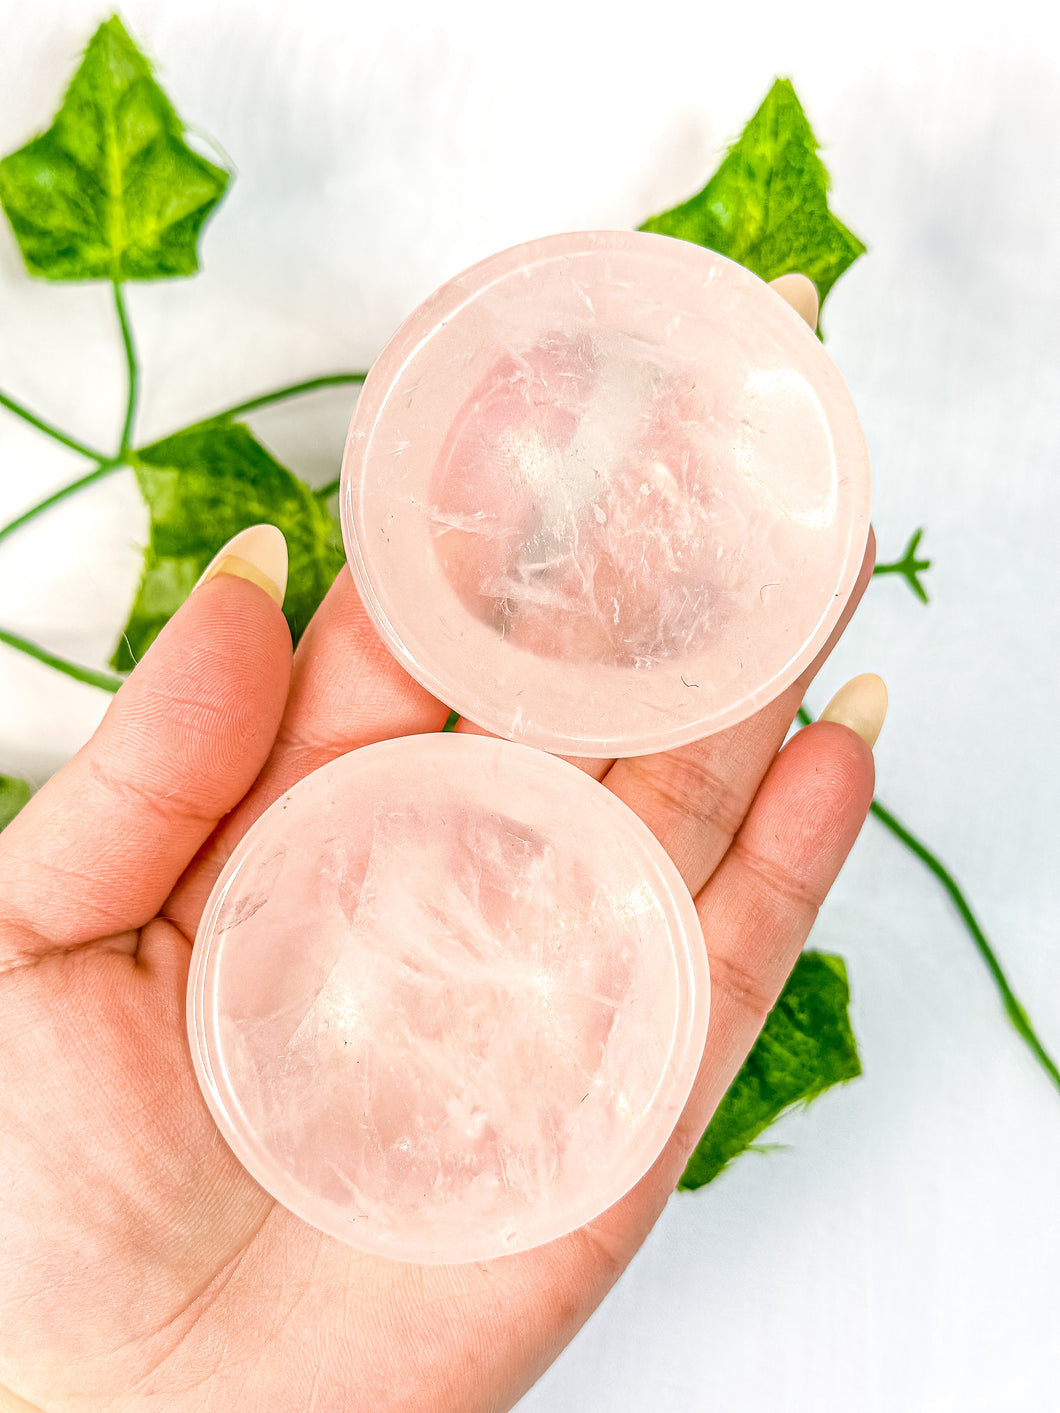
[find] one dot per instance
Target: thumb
(100, 846)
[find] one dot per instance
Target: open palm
(140, 1266)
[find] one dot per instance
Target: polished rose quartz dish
(605, 493)
(448, 998)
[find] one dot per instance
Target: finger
(347, 691)
(756, 913)
(758, 908)
(694, 799)
(99, 847)
(801, 293)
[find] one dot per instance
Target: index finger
(347, 691)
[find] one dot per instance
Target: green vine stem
(1013, 1009)
(133, 369)
(909, 566)
(327, 380)
(104, 468)
(106, 464)
(48, 430)
(109, 681)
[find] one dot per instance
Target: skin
(140, 1267)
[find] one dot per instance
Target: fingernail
(861, 705)
(801, 293)
(258, 554)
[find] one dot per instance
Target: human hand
(140, 1266)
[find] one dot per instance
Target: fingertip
(224, 662)
(861, 705)
(801, 293)
(179, 747)
(257, 554)
(829, 772)
(811, 806)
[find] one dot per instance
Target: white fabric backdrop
(904, 1253)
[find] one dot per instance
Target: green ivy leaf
(805, 1047)
(13, 795)
(111, 190)
(767, 204)
(202, 486)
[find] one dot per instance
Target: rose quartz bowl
(448, 998)
(605, 493)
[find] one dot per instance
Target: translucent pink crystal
(605, 493)
(448, 998)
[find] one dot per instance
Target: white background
(905, 1252)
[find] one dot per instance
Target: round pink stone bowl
(448, 998)
(605, 493)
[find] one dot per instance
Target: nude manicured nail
(801, 293)
(258, 554)
(861, 705)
